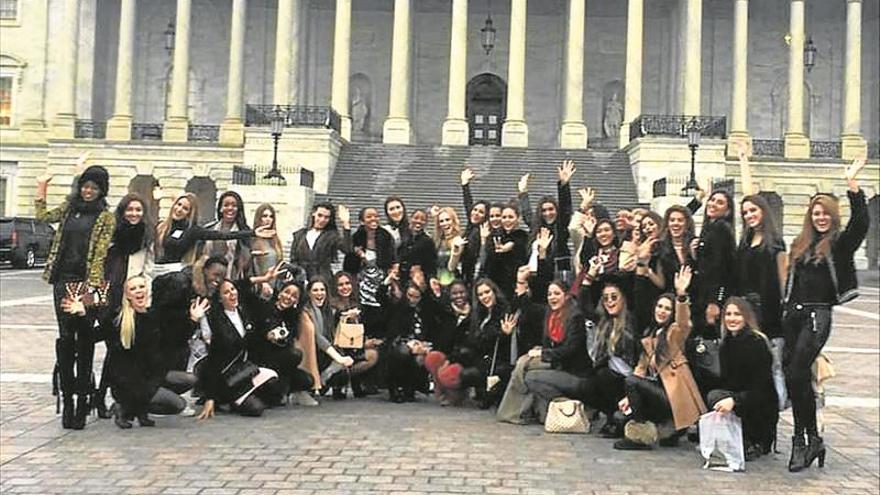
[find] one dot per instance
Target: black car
(24, 241)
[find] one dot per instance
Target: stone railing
(203, 133)
(768, 147)
(146, 132)
(825, 149)
(294, 116)
(677, 126)
(90, 129)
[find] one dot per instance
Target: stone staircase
(366, 173)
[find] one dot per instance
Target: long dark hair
(728, 217)
(240, 220)
(478, 312)
(335, 299)
(331, 224)
(661, 348)
(769, 233)
(403, 224)
(810, 244)
(122, 225)
(538, 219)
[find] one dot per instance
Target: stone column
(692, 72)
(397, 127)
(515, 132)
(341, 61)
(739, 131)
(177, 124)
(119, 125)
(64, 122)
(232, 128)
(573, 133)
(283, 42)
(797, 145)
(455, 128)
(632, 100)
(853, 142)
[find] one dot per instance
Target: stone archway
(486, 109)
(205, 190)
(145, 186)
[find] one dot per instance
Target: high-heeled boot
(798, 454)
(144, 420)
(68, 414)
(82, 411)
(815, 450)
(119, 417)
(100, 405)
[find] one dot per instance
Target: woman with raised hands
(506, 251)
(821, 275)
(478, 214)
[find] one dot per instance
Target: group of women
(646, 322)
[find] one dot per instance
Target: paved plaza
(372, 446)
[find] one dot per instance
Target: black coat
(226, 350)
(714, 274)
(317, 260)
(501, 267)
(420, 250)
(758, 281)
(385, 252)
(570, 354)
(136, 373)
(172, 294)
(559, 245)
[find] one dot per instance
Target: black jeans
(604, 390)
(806, 329)
(647, 399)
(74, 348)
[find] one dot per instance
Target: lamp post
(278, 118)
(810, 54)
(693, 134)
(487, 34)
(169, 37)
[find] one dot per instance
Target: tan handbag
(566, 416)
(349, 336)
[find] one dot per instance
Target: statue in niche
(613, 117)
(360, 104)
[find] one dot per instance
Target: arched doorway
(206, 191)
(486, 107)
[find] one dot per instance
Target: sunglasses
(613, 297)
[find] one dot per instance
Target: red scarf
(555, 329)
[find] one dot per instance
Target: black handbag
(239, 372)
(704, 356)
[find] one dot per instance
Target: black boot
(82, 411)
(357, 388)
(119, 417)
(99, 404)
(144, 420)
(798, 454)
(815, 449)
(68, 414)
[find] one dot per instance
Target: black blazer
(571, 353)
(317, 260)
(227, 347)
(385, 255)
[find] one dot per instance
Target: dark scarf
(77, 205)
(129, 238)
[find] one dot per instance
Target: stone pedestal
(396, 130)
(455, 132)
(63, 126)
(175, 130)
(796, 146)
(232, 132)
(573, 135)
(733, 140)
(515, 134)
(853, 146)
(119, 128)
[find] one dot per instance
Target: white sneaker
(188, 411)
(303, 398)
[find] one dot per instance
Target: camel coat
(678, 382)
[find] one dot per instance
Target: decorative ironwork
(660, 187)
(825, 149)
(255, 175)
(306, 178)
(203, 133)
(146, 132)
(874, 150)
(294, 116)
(677, 126)
(768, 147)
(90, 129)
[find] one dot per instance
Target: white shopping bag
(722, 432)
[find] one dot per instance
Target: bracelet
(685, 299)
(642, 264)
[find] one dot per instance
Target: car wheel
(30, 258)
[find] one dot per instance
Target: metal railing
(768, 147)
(90, 129)
(825, 149)
(203, 133)
(677, 126)
(294, 116)
(660, 187)
(146, 132)
(255, 175)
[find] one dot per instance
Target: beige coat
(675, 373)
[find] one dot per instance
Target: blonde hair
(439, 237)
(165, 225)
(800, 248)
(125, 319)
(748, 314)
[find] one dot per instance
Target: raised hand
(742, 151)
(852, 170)
(566, 171)
(73, 305)
(344, 216)
(435, 211)
(683, 280)
(436, 287)
(588, 194)
(198, 308)
(523, 185)
(589, 224)
(544, 238)
(458, 244)
(264, 232)
(645, 249)
(82, 161)
(485, 231)
(467, 175)
(503, 247)
(508, 323)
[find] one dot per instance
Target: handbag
(566, 415)
(90, 296)
(705, 356)
(239, 372)
(349, 336)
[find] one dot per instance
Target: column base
(232, 132)
(624, 136)
(853, 146)
(396, 130)
(515, 134)
(33, 131)
(796, 145)
(572, 135)
(175, 130)
(64, 126)
(119, 128)
(733, 140)
(345, 127)
(455, 132)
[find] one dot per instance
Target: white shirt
(235, 318)
(312, 237)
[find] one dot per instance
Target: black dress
(758, 282)
(136, 373)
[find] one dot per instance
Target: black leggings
(806, 331)
(74, 348)
(403, 369)
(604, 390)
(647, 399)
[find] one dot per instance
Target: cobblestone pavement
(371, 446)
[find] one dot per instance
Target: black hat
(98, 175)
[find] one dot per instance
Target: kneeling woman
(229, 376)
(746, 378)
(662, 386)
(135, 366)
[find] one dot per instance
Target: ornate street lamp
(487, 34)
(169, 36)
(810, 54)
(693, 134)
(278, 118)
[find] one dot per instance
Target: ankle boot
(815, 449)
(798, 454)
(101, 406)
(82, 411)
(144, 420)
(68, 413)
(119, 417)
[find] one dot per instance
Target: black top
(570, 354)
(316, 260)
(420, 250)
(181, 237)
(758, 281)
(502, 267)
(812, 283)
(70, 266)
(713, 277)
(136, 373)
